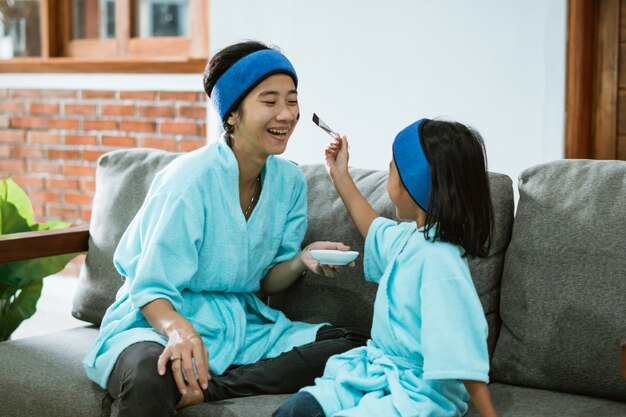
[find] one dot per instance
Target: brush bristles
(316, 119)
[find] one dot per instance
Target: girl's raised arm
(359, 209)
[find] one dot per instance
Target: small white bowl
(334, 257)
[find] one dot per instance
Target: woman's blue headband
(412, 164)
(245, 74)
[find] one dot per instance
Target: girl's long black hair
(460, 186)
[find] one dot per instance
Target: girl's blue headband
(245, 74)
(412, 164)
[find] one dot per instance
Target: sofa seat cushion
(512, 401)
(563, 293)
(44, 376)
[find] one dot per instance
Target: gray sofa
(553, 289)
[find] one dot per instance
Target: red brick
(178, 95)
(44, 108)
(5, 151)
(77, 199)
(202, 97)
(55, 211)
(67, 124)
(27, 152)
(79, 170)
(39, 210)
(157, 111)
(44, 137)
(28, 122)
(88, 185)
(92, 94)
(193, 112)
(62, 184)
(119, 141)
(80, 140)
(138, 95)
(61, 93)
(43, 167)
(92, 155)
(85, 214)
(118, 110)
(166, 144)
(12, 166)
(63, 154)
(4, 92)
(11, 106)
(13, 136)
(82, 109)
(135, 126)
(26, 93)
(29, 181)
(44, 196)
(184, 128)
(203, 130)
(187, 145)
(99, 125)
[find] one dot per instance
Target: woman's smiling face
(268, 115)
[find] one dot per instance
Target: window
(103, 35)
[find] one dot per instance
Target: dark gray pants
(141, 391)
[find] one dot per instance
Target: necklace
(254, 197)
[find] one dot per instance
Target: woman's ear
(233, 119)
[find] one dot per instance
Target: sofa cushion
(563, 302)
(348, 299)
(122, 181)
(512, 401)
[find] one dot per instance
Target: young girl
(428, 346)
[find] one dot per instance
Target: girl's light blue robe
(191, 245)
(428, 334)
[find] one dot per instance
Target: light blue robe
(191, 245)
(428, 334)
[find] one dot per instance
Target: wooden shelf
(136, 65)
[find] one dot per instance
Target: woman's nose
(287, 113)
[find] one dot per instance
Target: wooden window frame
(124, 54)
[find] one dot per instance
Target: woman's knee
(136, 375)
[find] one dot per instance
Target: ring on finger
(174, 358)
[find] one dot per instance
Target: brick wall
(50, 139)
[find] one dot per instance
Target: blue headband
(245, 74)
(412, 164)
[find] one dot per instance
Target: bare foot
(191, 398)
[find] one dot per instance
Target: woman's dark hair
(460, 186)
(222, 61)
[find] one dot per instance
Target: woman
(218, 225)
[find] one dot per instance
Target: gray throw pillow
(563, 301)
(122, 181)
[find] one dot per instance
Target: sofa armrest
(29, 245)
(623, 361)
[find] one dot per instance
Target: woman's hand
(314, 266)
(184, 348)
(337, 156)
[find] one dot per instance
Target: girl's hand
(314, 266)
(185, 349)
(337, 156)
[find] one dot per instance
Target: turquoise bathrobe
(428, 334)
(191, 245)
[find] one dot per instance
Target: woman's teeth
(278, 131)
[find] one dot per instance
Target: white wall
(369, 68)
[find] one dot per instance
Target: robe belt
(376, 356)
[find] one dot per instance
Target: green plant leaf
(19, 309)
(16, 212)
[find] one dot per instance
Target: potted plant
(21, 281)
